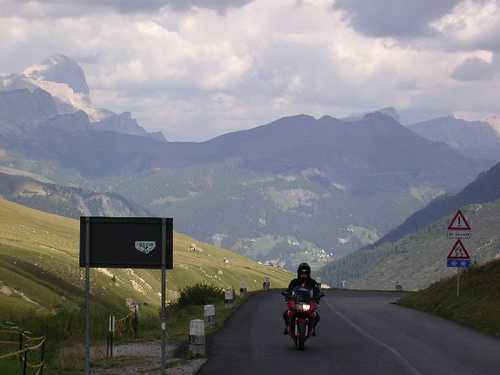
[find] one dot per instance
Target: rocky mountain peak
(391, 112)
(386, 111)
(121, 123)
(60, 69)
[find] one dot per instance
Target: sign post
(163, 312)
(130, 242)
(87, 296)
(458, 257)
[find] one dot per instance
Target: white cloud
(64, 8)
(201, 72)
(472, 24)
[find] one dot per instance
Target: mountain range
(485, 188)
(64, 80)
(476, 139)
(414, 253)
(299, 188)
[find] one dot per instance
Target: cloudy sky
(198, 68)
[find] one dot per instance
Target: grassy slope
(479, 302)
(39, 267)
(418, 259)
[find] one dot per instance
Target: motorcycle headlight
(306, 307)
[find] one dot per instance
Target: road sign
(458, 256)
(129, 242)
(464, 263)
(126, 242)
(459, 227)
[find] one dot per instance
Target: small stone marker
(197, 337)
(243, 289)
(228, 297)
(209, 315)
(266, 285)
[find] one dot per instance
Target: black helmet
(304, 268)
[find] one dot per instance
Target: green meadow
(477, 306)
(41, 283)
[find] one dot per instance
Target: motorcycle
(301, 314)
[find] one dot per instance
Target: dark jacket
(308, 283)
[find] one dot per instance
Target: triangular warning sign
(458, 251)
(459, 222)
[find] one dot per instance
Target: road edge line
(360, 330)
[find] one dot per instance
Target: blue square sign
(459, 263)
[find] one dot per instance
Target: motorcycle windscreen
(302, 294)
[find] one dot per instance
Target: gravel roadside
(148, 353)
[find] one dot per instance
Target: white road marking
(412, 369)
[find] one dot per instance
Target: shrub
(200, 294)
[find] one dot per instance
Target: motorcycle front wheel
(301, 336)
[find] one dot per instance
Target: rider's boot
(286, 321)
(313, 333)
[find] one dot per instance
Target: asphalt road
(360, 333)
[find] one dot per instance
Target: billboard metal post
(163, 313)
(87, 297)
(130, 242)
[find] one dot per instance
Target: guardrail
(26, 346)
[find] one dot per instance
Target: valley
(296, 189)
(310, 189)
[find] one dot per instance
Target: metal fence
(30, 351)
(125, 326)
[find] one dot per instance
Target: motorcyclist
(304, 279)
